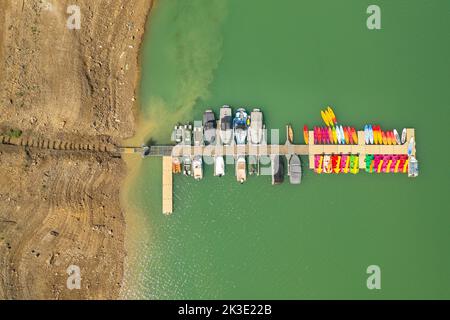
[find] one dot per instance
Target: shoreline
(82, 89)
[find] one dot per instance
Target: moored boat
(198, 133)
(305, 134)
(187, 166)
(397, 137)
(209, 127)
(197, 167)
(240, 126)
(403, 140)
(277, 169)
(256, 130)
(295, 169)
(219, 166)
(290, 133)
(226, 128)
(241, 174)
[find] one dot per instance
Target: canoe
(332, 115)
(306, 134)
(290, 133)
(370, 134)
(397, 137)
(403, 140)
(325, 118)
(366, 134)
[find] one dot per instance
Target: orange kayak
(383, 134)
(355, 136)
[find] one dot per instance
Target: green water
(291, 58)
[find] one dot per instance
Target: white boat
(197, 167)
(295, 170)
(241, 174)
(341, 130)
(413, 167)
(219, 166)
(226, 128)
(177, 134)
(187, 166)
(187, 134)
(255, 132)
(403, 136)
(240, 126)
(198, 133)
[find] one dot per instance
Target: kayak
(335, 159)
(305, 134)
(355, 136)
(375, 134)
(397, 137)
(383, 134)
(370, 134)
(326, 164)
(334, 135)
(332, 115)
(410, 146)
(338, 134)
(315, 135)
(388, 137)
(343, 141)
(325, 118)
(403, 136)
(319, 135)
(350, 137)
(366, 134)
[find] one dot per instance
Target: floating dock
(310, 150)
(167, 185)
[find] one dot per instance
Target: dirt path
(76, 86)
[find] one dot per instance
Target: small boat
(316, 141)
(187, 166)
(335, 163)
(319, 135)
(305, 134)
(256, 130)
(187, 134)
(177, 134)
(327, 164)
(198, 133)
(375, 134)
(332, 115)
(295, 169)
(241, 174)
(197, 167)
(277, 169)
(413, 168)
(354, 136)
(403, 140)
(370, 134)
(335, 139)
(325, 118)
(383, 135)
(209, 127)
(240, 126)
(318, 163)
(341, 129)
(338, 135)
(347, 134)
(219, 166)
(411, 146)
(397, 137)
(253, 165)
(290, 133)
(226, 128)
(176, 165)
(366, 134)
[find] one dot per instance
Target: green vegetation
(13, 133)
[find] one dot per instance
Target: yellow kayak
(405, 167)
(388, 167)
(379, 166)
(332, 115)
(334, 135)
(396, 166)
(325, 118)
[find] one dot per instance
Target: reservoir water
(316, 240)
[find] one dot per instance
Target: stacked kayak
(373, 134)
(335, 135)
(336, 163)
(386, 163)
